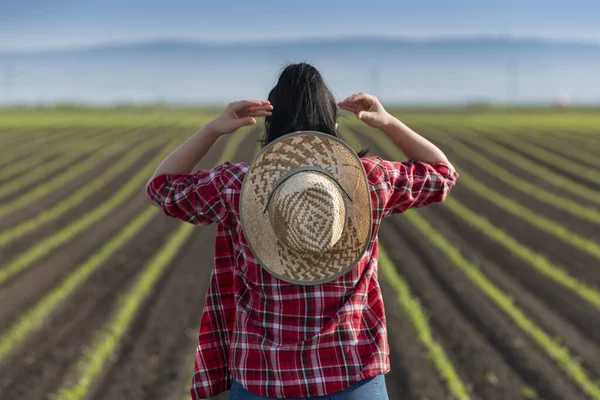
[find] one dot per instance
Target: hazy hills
(400, 71)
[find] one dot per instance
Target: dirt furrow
(18, 175)
(570, 221)
(524, 174)
(488, 372)
(576, 178)
(50, 353)
(64, 190)
(22, 191)
(20, 292)
(488, 349)
(151, 363)
(164, 333)
(412, 375)
(547, 318)
(572, 307)
(63, 147)
(21, 244)
(556, 149)
(464, 318)
(579, 263)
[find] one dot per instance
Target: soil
(491, 354)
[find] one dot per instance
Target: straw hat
(305, 208)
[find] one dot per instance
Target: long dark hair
(301, 102)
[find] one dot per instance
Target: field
(494, 294)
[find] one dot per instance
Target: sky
(43, 24)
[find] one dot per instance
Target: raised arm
(426, 178)
(368, 109)
(200, 197)
(413, 145)
(237, 114)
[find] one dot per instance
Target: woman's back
(295, 335)
(280, 321)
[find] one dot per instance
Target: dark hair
(301, 102)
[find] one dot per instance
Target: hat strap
(304, 169)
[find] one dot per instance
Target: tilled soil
(16, 176)
(555, 148)
(558, 309)
(51, 352)
(577, 262)
(572, 307)
(542, 183)
(151, 364)
(546, 317)
(489, 373)
(492, 355)
(412, 375)
(570, 221)
(577, 178)
(90, 203)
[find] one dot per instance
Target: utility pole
(375, 76)
(512, 82)
(9, 76)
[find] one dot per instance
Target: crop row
(417, 315)
(95, 185)
(537, 261)
(36, 157)
(520, 184)
(532, 141)
(109, 338)
(544, 174)
(86, 158)
(12, 153)
(29, 193)
(501, 299)
(532, 150)
(61, 237)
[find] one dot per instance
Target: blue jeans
(367, 389)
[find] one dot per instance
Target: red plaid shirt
(275, 338)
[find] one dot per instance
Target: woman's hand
(239, 114)
(368, 109)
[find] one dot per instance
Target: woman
(287, 316)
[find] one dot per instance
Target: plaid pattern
(278, 339)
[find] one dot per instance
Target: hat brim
(299, 149)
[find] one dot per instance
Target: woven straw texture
(300, 238)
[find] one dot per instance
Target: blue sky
(40, 24)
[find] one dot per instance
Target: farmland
(494, 294)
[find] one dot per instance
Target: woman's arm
(369, 110)
(184, 158)
(237, 114)
(198, 197)
(413, 145)
(426, 178)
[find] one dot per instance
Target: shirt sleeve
(200, 198)
(415, 184)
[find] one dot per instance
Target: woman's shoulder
(372, 161)
(234, 166)
(374, 166)
(232, 173)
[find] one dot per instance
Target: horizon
(444, 72)
(433, 52)
(301, 39)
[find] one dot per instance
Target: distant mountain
(198, 45)
(398, 70)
